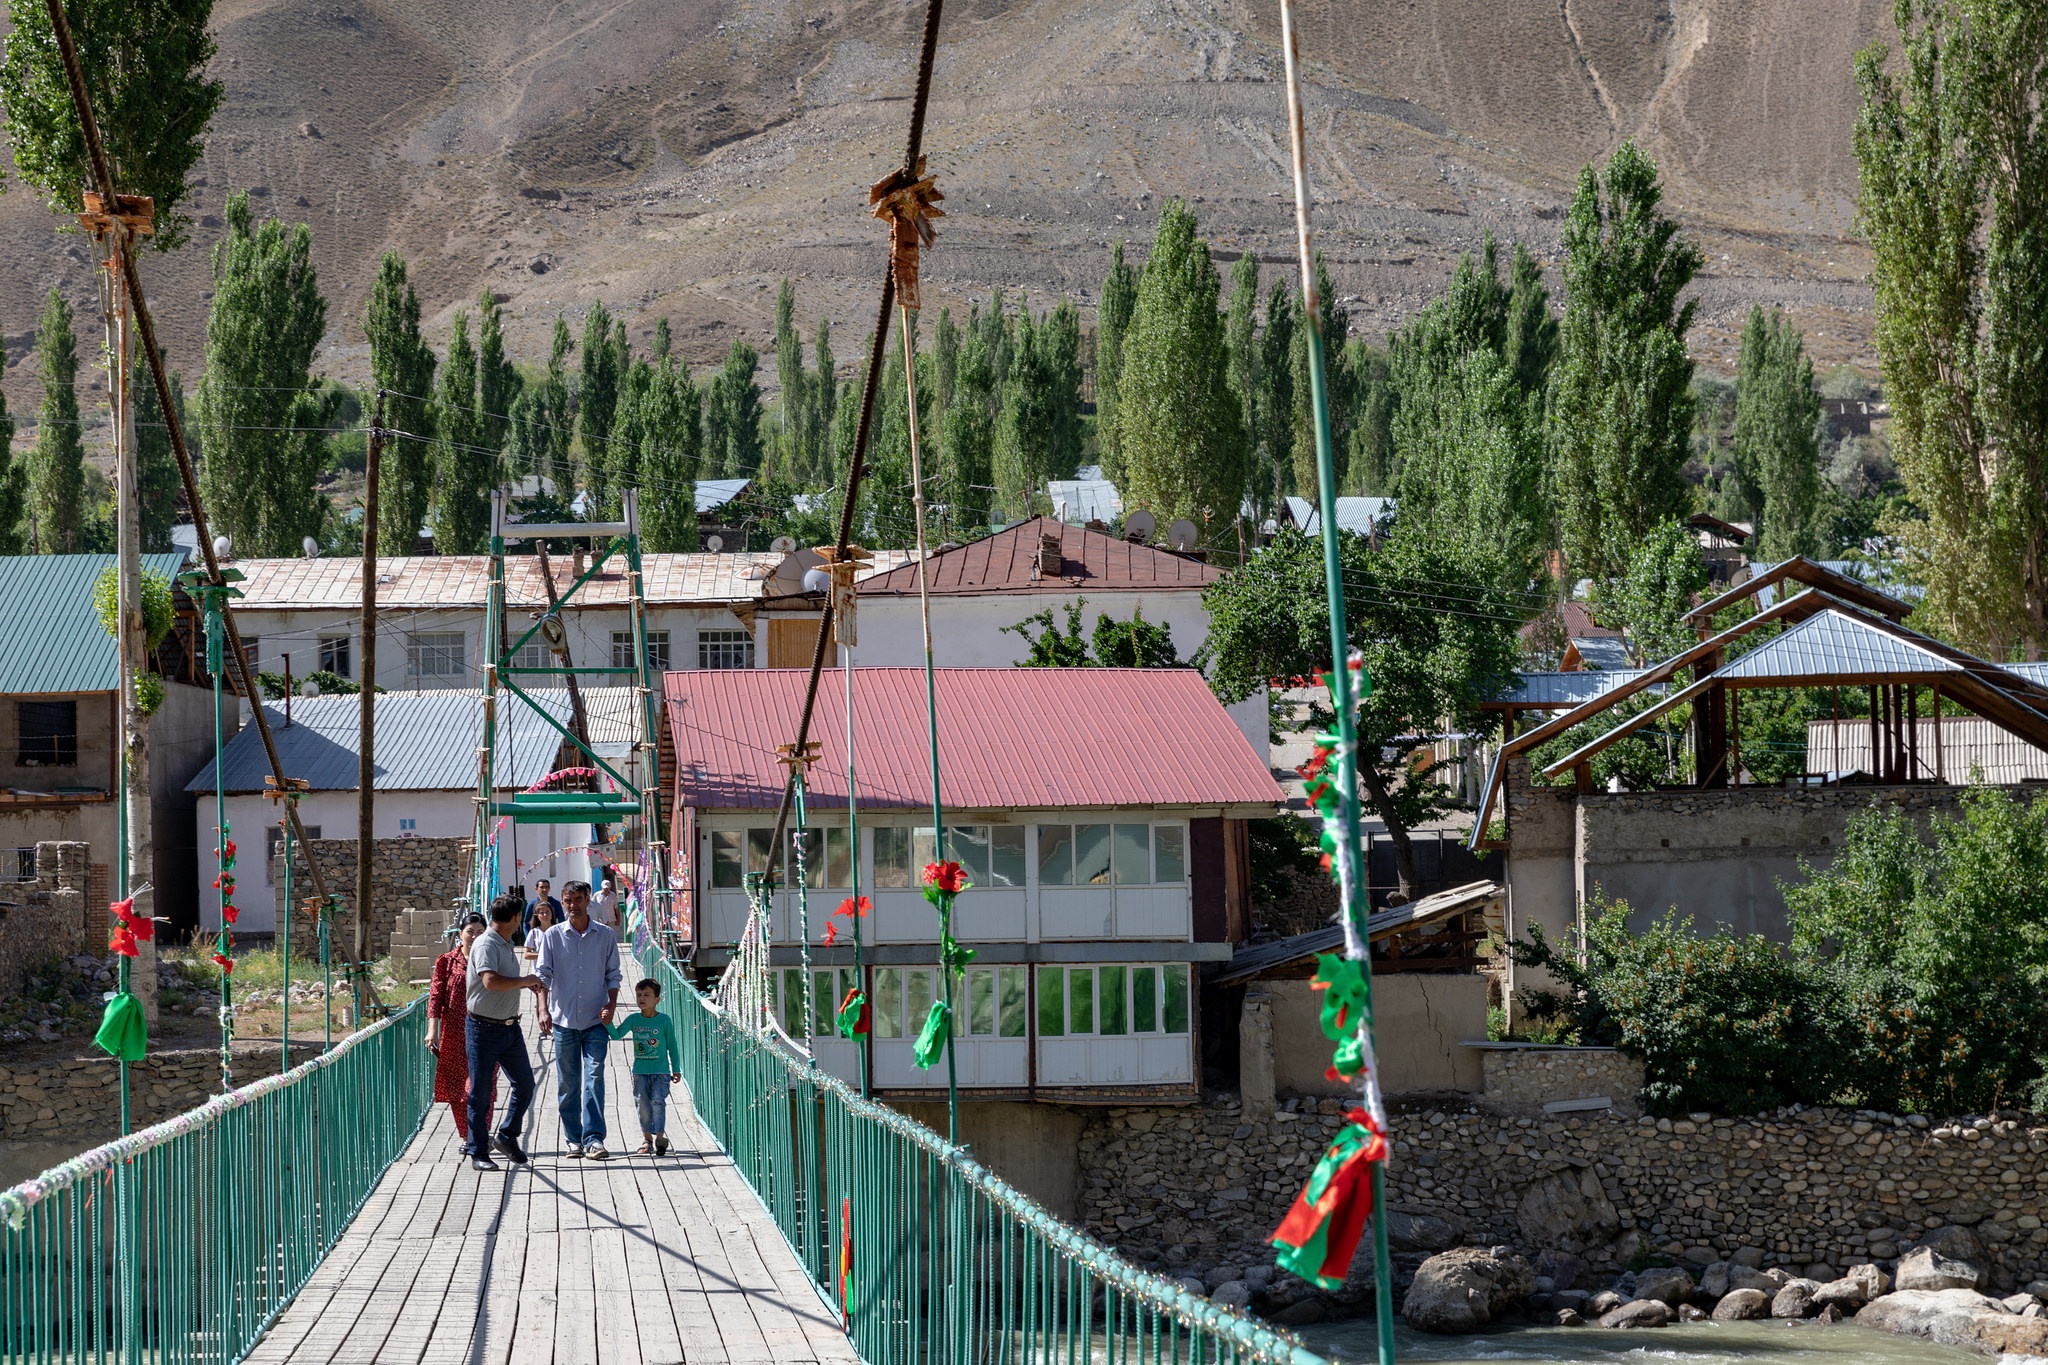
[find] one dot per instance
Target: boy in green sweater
(655, 1067)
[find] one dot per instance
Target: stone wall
(45, 918)
(1523, 1080)
(79, 1099)
(1206, 1186)
(406, 874)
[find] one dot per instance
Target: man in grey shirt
(579, 972)
(494, 1039)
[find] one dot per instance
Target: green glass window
(1052, 1002)
(917, 999)
(1169, 853)
(981, 1002)
(892, 857)
(885, 1013)
(1081, 999)
(827, 860)
(1131, 853)
(793, 1002)
(1091, 855)
(1110, 1013)
(1010, 1001)
(728, 866)
(1005, 855)
(1175, 980)
(1145, 1000)
(760, 849)
(824, 1004)
(1055, 855)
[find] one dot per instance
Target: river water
(1695, 1343)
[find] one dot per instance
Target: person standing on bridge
(448, 1009)
(496, 1042)
(579, 974)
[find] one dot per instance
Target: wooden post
(1912, 733)
(366, 762)
(1940, 774)
(1876, 768)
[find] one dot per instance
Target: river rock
(1691, 1312)
(1232, 1294)
(1638, 1313)
(2019, 1303)
(1767, 1281)
(1714, 1281)
(1959, 1243)
(1606, 1301)
(2038, 1288)
(1301, 1314)
(1463, 1289)
(1567, 1209)
(1795, 1300)
(1753, 1257)
(1957, 1317)
(1862, 1284)
(1928, 1270)
(1568, 1317)
(1832, 1313)
(1820, 1272)
(1740, 1305)
(1419, 1232)
(1561, 1268)
(1260, 1278)
(1671, 1287)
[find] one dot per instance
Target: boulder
(1820, 1272)
(1714, 1281)
(1753, 1257)
(1740, 1305)
(1259, 1277)
(1568, 1317)
(1927, 1270)
(2038, 1288)
(1561, 1268)
(1957, 1243)
(1795, 1300)
(1232, 1294)
(1193, 1284)
(1222, 1275)
(1691, 1312)
(1638, 1313)
(1566, 1209)
(1671, 1287)
(1606, 1301)
(1301, 1314)
(1768, 1281)
(1419, 1232)
(2019, 1303)
(1463, 1289)
(1862, 1284)
(1957, 1317)
(1831, 1313)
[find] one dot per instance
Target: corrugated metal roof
(1833, 643)
(1082, 500)
(53, 638)
(1353, 514)
(1005, 563)
(1606, 653)
(715, 493)
(1009, 738)
(1879, 577)
(1561, 690)
(413, 582)
(2036, 673)
(1263, 957)
(426, 741)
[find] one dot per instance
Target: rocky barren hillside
(678, 158)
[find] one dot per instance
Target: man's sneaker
(511, 1148)
(574, 1154)
(660, 1146)
(596, 1152)
(482, 1163)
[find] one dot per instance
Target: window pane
(336, 655)
(892, 856)
(1081, 998)
(917, 1000)
(824, 1005)
(622, 649)
(725, 857)
(1144, 1000)
(981, 1003)
(657, 650)
(924, 848)
(1052, 1002)
(760, 849)
(1176, 993)
(1091, 855)
(1169, 853)
(1005, 855)
(1055, 855)
(969, 846)
(47, 732)
(812, 842)
(1133, 857)
(793, 1002)
(838, 858)
(725, 649)
(885, 1012)
(1111, 1016)
(1012, 1001)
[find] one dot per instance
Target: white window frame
(1153, 860)
(657, 650)
(1064, 971)
(343, 644)
(425, 646)
(712, 647)
(533, 654)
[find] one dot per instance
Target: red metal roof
(1004, 563)
(1009, 738)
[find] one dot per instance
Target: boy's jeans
(650, 1093)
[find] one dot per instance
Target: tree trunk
(1404, 850)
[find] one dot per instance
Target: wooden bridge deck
(639, 1259)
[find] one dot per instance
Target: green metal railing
(950, 1265)
(183, 1242)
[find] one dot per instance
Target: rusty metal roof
(1007, 562)
(1009, 739)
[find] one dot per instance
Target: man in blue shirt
(578, 969)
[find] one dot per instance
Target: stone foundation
(426, 875)
(1523, 1080)
(79, 1099)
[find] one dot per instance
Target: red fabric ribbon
(123, 942)
(1321, 1231)
(831, 935)
(225, 963)
(949, 877)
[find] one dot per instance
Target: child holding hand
(655, 1064)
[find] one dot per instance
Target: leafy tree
(1952, 147)
(597, 396)
(497, 379)
(402, 364)
(57, 467)
(1336, 384)
(1240, 334)
(1372, 466)
(1777, 434)
(732, 416)
(1437, 636)
(789, 372)
(263, 415)
(1648, 602)
(671, 445)
(1620, 402)
(1038, 430)
(1052, 647)
(156, 464)
(145, 71)
(1181, 430)
(824, 406)
(542, 421)
(463, 467)
(1113, 312)
(664, 340)
(945, 362)
(970, 440)
(1530, 335)
(1136, 643)
(620, 468)
(14, 494)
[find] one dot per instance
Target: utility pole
(366, 771)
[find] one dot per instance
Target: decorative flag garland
(1320, 1234)
(943, 882)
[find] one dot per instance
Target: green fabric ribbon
(851, 1011)
(124, 1032)
(931, 1039)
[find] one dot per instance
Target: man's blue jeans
(490, 1048)
(579, 1082)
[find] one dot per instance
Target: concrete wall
(95, 765)
(180, 745)
(1421, 1018)
(1033, 1146)
(1542, 871)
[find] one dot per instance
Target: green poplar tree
(1241, 334)
(970, 441)
(464, 468)
(664, 340)
(1274, 408)
(156, 465)
(671, 446)
(1530, 331)
(1336, 383)
(1776, 445)
(1112, 321)
(57, 468)
(630, 429)
(497, 379)
(732, 416)
(1373, 466)
(1024, 422)
(13, 482)
(1181, 428)
(1621, 402)
(792, 413)
(824, 407)
(402, 364)
(597, 396)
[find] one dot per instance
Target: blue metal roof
(53, 638)
(1833, 643)
(2036, 673)
(715, 493)
(426, 741)
(1882, 577)
(1603, 652)
(1563, 690)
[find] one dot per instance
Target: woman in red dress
(447, 1019)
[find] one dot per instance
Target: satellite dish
(783, 545)
(551, 630)
(1183, 534)
(816, 580)
(309, 688)
(312, 547)
(714, 543)
(1140, 525)
(222, 548)
(795, 567)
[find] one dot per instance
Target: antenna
(714, 543)
(783, 545)
(1183, 535)
(222, 548)
(1140, 526)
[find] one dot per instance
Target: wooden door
(792, 643)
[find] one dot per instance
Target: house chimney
(1050, 561)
